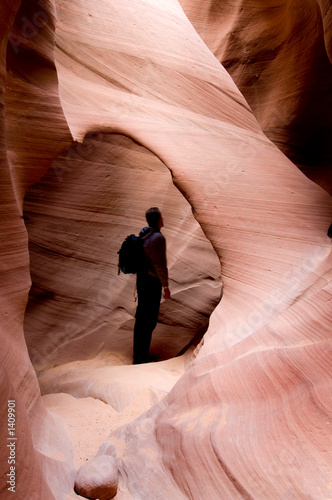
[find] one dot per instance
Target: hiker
(149, 284)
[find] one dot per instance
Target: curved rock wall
(94, 195)
(268, 224)
(249, 418)
(38, 441)
(277, 55)
(36, 130)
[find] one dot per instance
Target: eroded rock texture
(97, 194)
(107, 107)
(42, 453)
(278, 55)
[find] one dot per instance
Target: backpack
(132, 258)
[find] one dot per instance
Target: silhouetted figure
(150, 284)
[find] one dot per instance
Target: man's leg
(149, 295)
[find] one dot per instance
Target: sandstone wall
(278, 55)
(95, 195)
(26, 149)
(268, 224)
(139, 86)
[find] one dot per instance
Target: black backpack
(132, 258)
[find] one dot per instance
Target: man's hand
(167, 293)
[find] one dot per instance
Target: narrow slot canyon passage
(219, 114)
(80, 315)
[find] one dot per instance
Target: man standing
(150, 284)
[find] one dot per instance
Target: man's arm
(159, 262)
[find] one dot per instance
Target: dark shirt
(155, 248)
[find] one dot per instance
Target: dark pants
(149, 295)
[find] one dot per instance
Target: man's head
(154, 218)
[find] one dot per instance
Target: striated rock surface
(279, 55)
(40, 453)
(36, 129)
(97, 193)
(127, 103)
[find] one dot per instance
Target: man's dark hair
(153, 216)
